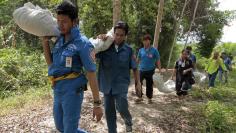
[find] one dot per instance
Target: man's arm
(47, 51)
(173, 74)
(158, 64)
(97, 110)
(137, 82)
(93, 85)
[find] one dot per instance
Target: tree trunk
(158, 23)
(116, 11)
(176, 31)
(191, 24)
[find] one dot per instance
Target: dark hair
(223, 53)
(67, 8)
(189, 48)
(185, 50)
(122, 25)
(147, 37)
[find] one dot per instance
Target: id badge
(68, 61)
(183, 64)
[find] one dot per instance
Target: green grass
(219, 108)
(31, 97)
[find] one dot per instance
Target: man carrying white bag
(40, 22)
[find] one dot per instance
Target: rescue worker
(71, 54)
(148, 59)
(114, 77)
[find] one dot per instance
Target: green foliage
(30, 97)
(211, 31)
(8, 28)
(229, 48)
(220, 118)
(20, 71)
(220, 107)
(96, 16)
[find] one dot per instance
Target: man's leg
(123, 108)
(141, 76)
(221, 76)
(57, 111)
(141, 80)
(110, 112)
(226, 76)
(212, 79)
(72, 102)
(149, 84)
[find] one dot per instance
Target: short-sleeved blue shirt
(114, 69)
(80, 51)
(193, 58)
(227, 62)
(148, 58)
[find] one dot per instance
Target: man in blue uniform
(71, 53)
(114, 77)
(192, 56)
(149, 59)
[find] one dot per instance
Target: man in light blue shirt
(149, 59)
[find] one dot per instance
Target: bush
(220, 118)
(20, 70)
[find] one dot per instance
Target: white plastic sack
(101, 45)
(200, 77)
(165, 87)
(35, 20)
(158, 81)
(169, 86)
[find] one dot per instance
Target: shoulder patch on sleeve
(92, 55)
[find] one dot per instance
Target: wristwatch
(97, 103)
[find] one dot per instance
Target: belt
(63, 77)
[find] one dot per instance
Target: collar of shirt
(74, 33)
(119, 47)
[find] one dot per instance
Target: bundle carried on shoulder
(101, 45)
(35, 20)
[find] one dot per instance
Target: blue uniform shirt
(148, 58)
(193, 58)
(79, 51)
(227, 63)
(114, 69)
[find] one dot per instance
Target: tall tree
(192, 22)
(158, 23)
(116, 11)
(176, 31)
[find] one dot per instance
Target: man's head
(121, 29)
(223, 55)
(189, 48)
(184, 54)
(146, 40)
(67, 14)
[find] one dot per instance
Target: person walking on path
(70, 55)
(114, 77)
(183, 74)
(212, 67)
(148, 59)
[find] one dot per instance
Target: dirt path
(166, 115)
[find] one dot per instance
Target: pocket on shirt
(124, 60)
(65, 54)
(107, 60)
